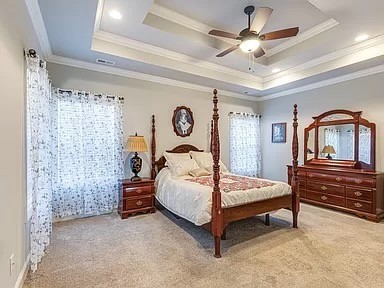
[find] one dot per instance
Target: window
(244, 144)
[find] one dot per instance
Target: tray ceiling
(167, 39)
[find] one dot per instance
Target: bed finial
(295, 180)
(153, 149)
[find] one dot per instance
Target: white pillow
(205, 160)
(180, 163)
(199, 172)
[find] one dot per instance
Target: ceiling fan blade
(259, 52)
(285, 33)
(261, 18)
(223, 34)
(229, 50)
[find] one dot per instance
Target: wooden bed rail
(153, 149)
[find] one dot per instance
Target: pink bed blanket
(230, 183)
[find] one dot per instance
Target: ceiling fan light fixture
(249, 45)
(114, 14)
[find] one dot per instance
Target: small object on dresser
(136, 197)
(136, 144)
(328, 149)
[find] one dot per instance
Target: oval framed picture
(182, 121)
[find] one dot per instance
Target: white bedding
(193, 201)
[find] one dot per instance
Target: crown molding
(39, 27)
(141, 76)
(137, 45)
(302, 37)
(324, 83)
(379, 40)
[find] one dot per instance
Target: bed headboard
(160, 164)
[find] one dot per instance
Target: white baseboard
(23, 273)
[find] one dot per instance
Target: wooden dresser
(349, 190)
(136, 196)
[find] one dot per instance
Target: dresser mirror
(340, 138)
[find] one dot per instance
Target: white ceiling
(167, 39)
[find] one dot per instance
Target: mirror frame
(356, 120)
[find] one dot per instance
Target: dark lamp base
(135, 178)
(329, 157)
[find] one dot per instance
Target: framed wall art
(279, 132)
(182, 121)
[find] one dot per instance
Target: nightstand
(137, 197)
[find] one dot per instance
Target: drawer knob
(358, 181)
(324, 175)
(139, 203)
(324, 197)
(338, 179)
(310, 175)
(139, 191)
(358, 193)
(358, 205)
(324, 188)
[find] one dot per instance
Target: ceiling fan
(250, 37)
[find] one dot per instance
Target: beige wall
(142, 99)
(363, 94)
(16, 33)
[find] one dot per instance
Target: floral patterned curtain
(364, 145)
(244, 144)
(41, 150)
(90, 153)
(332, 137)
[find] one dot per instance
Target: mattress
(188, 198)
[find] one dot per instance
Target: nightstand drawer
(360, 205)
(137, 191)
(137, 203)
(326, 188)
(359, 193)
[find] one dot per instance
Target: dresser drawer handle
(358, 193)
(139, 203)
(310, 175)
(324, 175)
(324, 188)
(338, 179)
(358, 181)
(139, 191)
(324, 197)
(358, 205)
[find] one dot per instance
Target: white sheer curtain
(41, 149)
(90, 153)
(364, 145)
(332, 137)
(244, 144)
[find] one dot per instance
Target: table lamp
(330, 150)
(136, 144)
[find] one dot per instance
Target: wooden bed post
(295, 181)
(211, 143)
(153, 149)
(217, 213)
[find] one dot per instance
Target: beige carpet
(330, 249)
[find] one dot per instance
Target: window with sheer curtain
(244, 144)
(89, 154)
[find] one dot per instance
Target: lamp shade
(328, 149)
(136, 144)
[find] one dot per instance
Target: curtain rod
(245, 114)
(88, 93)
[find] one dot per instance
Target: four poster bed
(233, 197)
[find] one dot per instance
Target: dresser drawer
(368, 182)
(325, 198)
(326, 177)
(303, 193)
(137, 203)
(360, 205)
(326, 188)
(302, 184)
(137, 191)
(359, 193)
